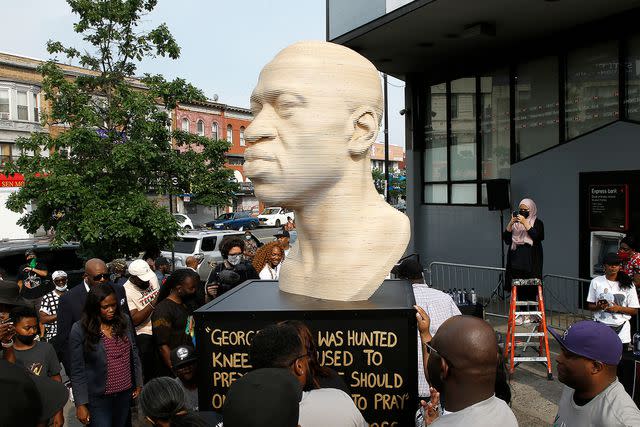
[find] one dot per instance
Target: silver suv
(204, 244)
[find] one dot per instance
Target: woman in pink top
(105, 367)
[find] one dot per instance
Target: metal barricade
(486, 281)
(564, 296)
(565, 300)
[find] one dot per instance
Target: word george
(220, 337)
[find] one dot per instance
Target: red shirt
(118, 364)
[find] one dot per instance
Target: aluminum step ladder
(517, 311)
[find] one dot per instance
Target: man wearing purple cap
(587, 365)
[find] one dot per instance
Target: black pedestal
(372, 344)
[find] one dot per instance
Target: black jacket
(536, 232)
(70, 310)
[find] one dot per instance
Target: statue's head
(317, 109)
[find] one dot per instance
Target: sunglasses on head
(102, 276)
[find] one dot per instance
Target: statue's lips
(258, 168)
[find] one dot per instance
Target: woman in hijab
(524, 235)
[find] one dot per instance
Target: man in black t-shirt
(31, 280)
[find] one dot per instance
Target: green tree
(115, 150)
(397, 181)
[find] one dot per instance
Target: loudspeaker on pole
(498, 194)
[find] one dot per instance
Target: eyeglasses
(430, 349)
(102, 276)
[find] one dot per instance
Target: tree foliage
(115, 149)
(397, 183)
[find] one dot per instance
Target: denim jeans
(113, 410)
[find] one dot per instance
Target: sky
(224, 44)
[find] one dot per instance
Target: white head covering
(57, 274)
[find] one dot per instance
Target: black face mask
(524, 213)
(26, 339)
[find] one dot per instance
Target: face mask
(61, 288)
(26, 339)
(234, 259)
(524, 213)
(624, 255)
(247, 237)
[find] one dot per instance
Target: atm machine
(601, 243)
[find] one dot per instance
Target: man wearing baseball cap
(142, 296)
(587, 366)
(184, 366)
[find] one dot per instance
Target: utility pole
(386, 140)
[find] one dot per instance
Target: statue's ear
(365, 131)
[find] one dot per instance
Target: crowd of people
(127, 332)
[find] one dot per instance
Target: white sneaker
(519, 321)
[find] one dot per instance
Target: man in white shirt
(438, 306)
(461, 361)
(142, 295)
(280, 346)
(613, 298)
(587, 366)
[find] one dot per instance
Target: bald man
(461, 362)
(72, 304)
(317, 109)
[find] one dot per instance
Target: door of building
(609, 208)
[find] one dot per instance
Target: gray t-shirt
(40, 359)
(611, 408)
(190, 396)
(488, 413)
(329, 407)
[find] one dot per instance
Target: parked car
(234, 221)
(183, 221)
(203, 243)
(275, 216)
(64, 258)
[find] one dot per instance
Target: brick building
(219, 121)
(21, 105)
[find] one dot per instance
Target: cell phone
(514, 214)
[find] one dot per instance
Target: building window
(495, 125)
(5, 153)
(632, 78)
(435, 193)
(435, 154)
(200, 127)
(34, 105)
(591, 97)
(230, 134)
(463, 131)
(4, 104)
(185, 125)
(536, 115)
(242, 142)
(23, 105)
(214, 131)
